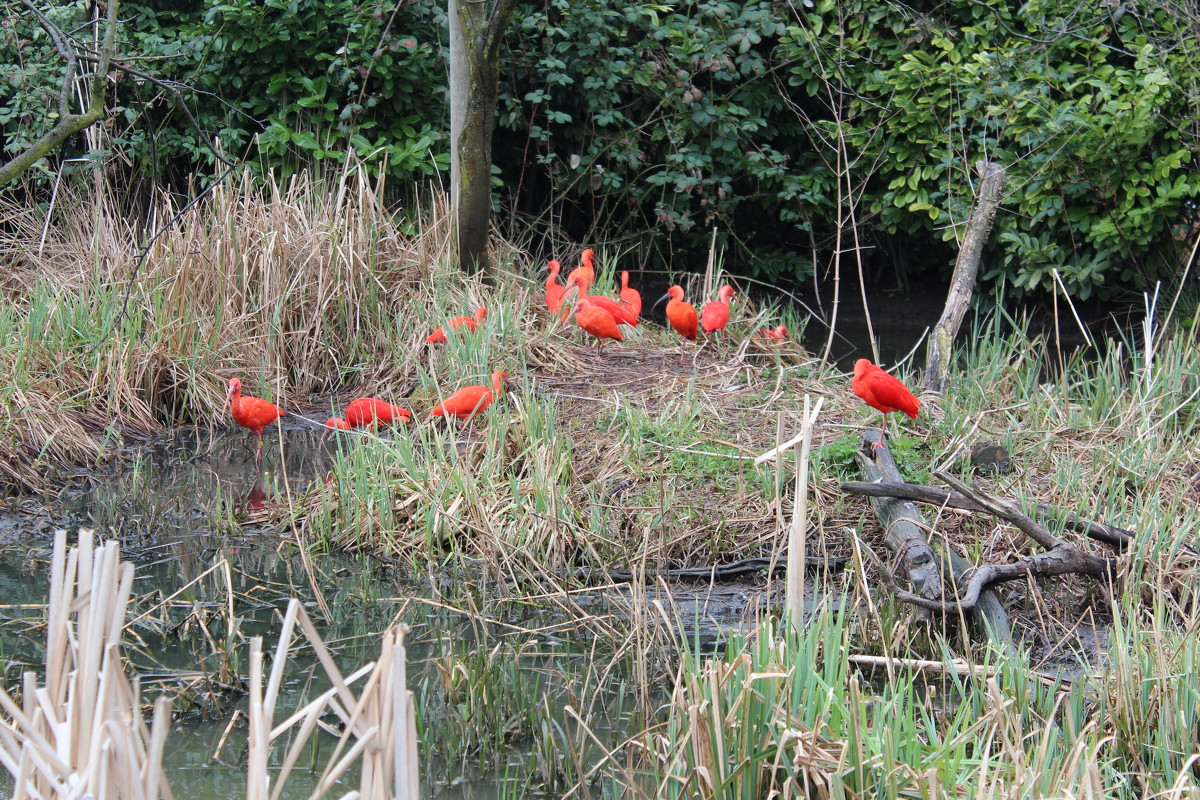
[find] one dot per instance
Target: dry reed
(81, 733)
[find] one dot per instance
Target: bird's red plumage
(456, 323)
(251, 412)
(584, 275)
(779, 332)
(630, 297)
(681, 315)
(365, 410)
(715, 315)
(470, 400)
(596, 320)
(882, 391)
(554, 292)
(618, 312)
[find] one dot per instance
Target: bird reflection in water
(258, 498)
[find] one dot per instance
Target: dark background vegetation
(644, 126)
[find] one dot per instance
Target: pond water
(184, 503)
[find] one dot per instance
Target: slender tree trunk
(476, 29)
(962, 286)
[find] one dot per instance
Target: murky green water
(187, 502)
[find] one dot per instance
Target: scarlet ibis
(597, 321)
(681, 315)
(554, 292)
(778, 333)
(251, 412)
(623, 315)
(337, 423)
(439, 336)
(367, 410)
(471, 400)
(584, 275)
(882, 392)
(630, 297)
(715, 315)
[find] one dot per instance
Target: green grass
(641, 459)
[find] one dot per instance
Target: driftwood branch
(962, 286)
(1059, 558)
(988, 612)
(1099, 531)
(985, 607)
(904, 530)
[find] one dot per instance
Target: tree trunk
(962, 286)
(475, 34)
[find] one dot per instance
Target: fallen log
(904, 530)
(989, 613)
(1101, 532)
(882, 471)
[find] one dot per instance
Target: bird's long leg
(258, 453)
(877, 446)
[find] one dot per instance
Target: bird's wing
(891, 392)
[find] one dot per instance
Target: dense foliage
(651, 124)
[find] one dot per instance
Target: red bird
(471, 400)
(630, 297)
(584, 275)
(554, 292)
(681, 315)
(597, 321)
(251, 412)
(367, 410)
(620, 313)
(439, 336)
(715, 315)
(882, 392)
(778, 333)
(337, 423)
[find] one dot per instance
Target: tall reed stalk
(81, 733)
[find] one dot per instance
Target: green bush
(651, 124)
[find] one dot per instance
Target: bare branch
(60, 44)
(1100, 531)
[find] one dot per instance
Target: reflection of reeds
(81, 733)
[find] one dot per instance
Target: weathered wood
(1059, 558)
(1109, 534)
(989, 611)
(904, 530)
(962, 286)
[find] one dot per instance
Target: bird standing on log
(882, 392)
(251, 412)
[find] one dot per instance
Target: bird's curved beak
(659, 301)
